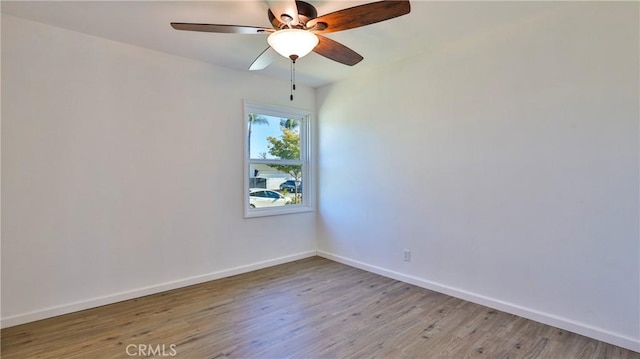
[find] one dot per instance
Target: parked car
(260, 197)
(290, 186)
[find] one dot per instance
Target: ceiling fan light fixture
(293, 42)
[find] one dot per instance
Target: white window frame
(308, 195)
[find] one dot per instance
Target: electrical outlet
(407, 255)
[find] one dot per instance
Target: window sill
(271, 211)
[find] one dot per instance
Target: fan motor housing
(306, 12)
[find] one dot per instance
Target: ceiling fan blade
(227, 29)
(360, 15)
(337, 52)
(264, 59)
(288, 8)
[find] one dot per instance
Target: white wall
(122, 172)
(506, 162)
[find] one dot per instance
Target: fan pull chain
(293, 75)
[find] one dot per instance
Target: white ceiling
(430, 26)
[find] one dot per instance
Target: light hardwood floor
(313, 308)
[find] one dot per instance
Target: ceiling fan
(297, 29)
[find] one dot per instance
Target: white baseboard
(140, 292)
(546, 318)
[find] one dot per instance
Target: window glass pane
(272, 137)
(275, 184)
(277, 160)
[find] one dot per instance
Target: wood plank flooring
(313, 308)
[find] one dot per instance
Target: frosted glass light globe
(293, 42)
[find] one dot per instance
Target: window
(278, 176)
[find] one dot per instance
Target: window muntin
(277, 160)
